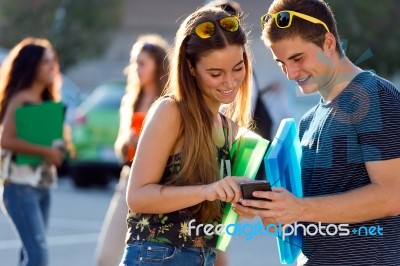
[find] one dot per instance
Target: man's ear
(330, 42)
(191, 69)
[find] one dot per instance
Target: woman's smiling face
(219, 74)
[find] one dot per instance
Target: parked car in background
(71, 96)
(94, 130)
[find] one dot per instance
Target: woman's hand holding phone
(226, 189)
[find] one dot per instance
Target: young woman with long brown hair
(29, 75)
(181, 170)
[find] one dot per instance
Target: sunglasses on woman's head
(283, 19)
(206, 29)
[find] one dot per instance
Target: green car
(94, 130)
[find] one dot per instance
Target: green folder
(247, 154)
(40, 124)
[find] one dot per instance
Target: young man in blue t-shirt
(350, 144)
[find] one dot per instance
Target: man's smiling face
(304, 62)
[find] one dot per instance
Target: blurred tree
(77, 29)
(370, 32)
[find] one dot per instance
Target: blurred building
(164, 18)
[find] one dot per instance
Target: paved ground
(76, 218)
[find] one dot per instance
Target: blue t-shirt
(360, 125)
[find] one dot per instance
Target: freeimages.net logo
(280, 230)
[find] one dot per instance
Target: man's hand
(275, 206)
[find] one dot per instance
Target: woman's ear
(191, 69)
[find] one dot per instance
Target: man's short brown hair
(308, 31)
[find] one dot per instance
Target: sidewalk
(259, 251)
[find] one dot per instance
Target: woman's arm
(156, 143)
(10, 141)
(125, 119)
(67, 136)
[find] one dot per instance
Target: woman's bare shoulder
(18, 100)
(166, 108)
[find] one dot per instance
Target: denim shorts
(148, 253)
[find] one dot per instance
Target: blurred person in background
(29, 75)
(181, 170)
(146, 80)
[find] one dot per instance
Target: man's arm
(379, 199)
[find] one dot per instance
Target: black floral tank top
(172, 228)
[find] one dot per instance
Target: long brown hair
(199, 164)
(158, 49)
(19, 71)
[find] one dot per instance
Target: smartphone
(249, 187)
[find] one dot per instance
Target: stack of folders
(282, 167)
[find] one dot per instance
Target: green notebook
(40, 124)
(247, 154)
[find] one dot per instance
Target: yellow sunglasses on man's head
(283, 19)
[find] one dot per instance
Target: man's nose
(291, 71)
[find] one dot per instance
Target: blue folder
(282, 167)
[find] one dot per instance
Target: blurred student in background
(146, 80)
(29, 75)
